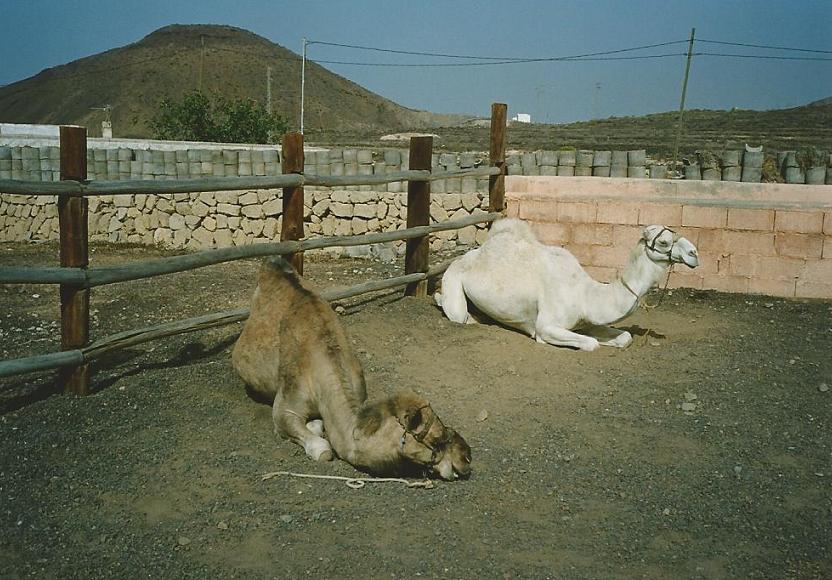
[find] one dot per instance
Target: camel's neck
(609, 303)
(377, 451)
(340, 419)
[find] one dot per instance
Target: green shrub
(198, 118)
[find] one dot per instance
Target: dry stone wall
(205, 220)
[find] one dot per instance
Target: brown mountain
(178, 58)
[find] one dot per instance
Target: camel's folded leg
(295, 427)
(316, 426)
(563, 337)
(609, 336)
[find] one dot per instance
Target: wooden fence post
(292, 228)
(73, 222)
(497, 183)
(417, 251)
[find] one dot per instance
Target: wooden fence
(76, 278)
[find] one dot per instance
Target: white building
(522, 118)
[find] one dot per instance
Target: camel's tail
(452, 299)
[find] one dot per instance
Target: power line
(494, 58)
(524, 61)
(768, 47)
(763, 56)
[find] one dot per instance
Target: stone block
(566, 170)
(249, 198)
(273, 207)
(364, 210)
(252, 211)
(341, 210)
(437, 213)
(228, 209)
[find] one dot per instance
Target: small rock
(183, 541)
(666, 512)
(690, 396)
(482, 416)
(286, 519)
(737, 469)
(823, 387)
(688, 407)
(340, 309)
(222, 525)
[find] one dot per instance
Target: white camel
(544, 292)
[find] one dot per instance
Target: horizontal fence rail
(135, 337)
(94, 188)
(91, 277)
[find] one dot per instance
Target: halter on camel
(669, 254)
(419, 436)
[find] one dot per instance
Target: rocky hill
(178, 58)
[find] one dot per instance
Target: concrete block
(813, 290)
(799, 245)
(576, 212)
(704, 217)
(583, 158)
(567, 158)
(801, 222)
(593, 234)
(750, 219)
(612, 212)
(637, 157)
(724, 283)
(757, 243)
(780, 288)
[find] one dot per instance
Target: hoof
(319, 450)
(325, 456)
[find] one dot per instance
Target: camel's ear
(650, 232)
(413, 417)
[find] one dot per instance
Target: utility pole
(269, 89)
(302, 83)
(269, 98)
(596, 101)
(682, 103)
(201, 60)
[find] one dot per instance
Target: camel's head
(427, 442)
(664, 245)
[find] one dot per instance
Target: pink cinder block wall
(756, 238)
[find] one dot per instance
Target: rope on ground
(353, 482)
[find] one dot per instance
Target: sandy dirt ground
(702, 451)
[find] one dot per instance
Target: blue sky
(38, 34)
